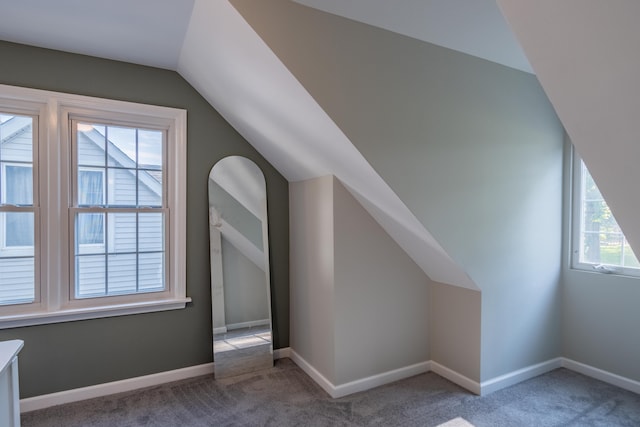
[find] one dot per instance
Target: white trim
(282, 353)
(381, 379)
(518, 376)
(30, 319)
(313, 373)
(361, 384)
(456, 378)
(484, 388)
(129, 384)
(250, 324)
(99, 390)
(602, 375)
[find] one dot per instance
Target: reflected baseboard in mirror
(240, 289)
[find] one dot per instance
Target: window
(18, 142)
(598, 242)
(92, 220)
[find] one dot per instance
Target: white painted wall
(381, 296)
(312, 304)
(584, 54)
(359, 304)
(454, 328)
(472, 148)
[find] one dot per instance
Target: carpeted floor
(286, 396)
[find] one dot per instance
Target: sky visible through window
(149, 150)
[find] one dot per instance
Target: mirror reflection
(240, 290)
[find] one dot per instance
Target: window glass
(131, 199)
(17, 212)
(600, 242)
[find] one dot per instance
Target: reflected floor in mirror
(242, 350)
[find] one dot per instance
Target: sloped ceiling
(278, 116)
(208, 42)
(475, 27)
(585, 54)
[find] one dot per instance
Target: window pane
(122, 274)
(122, 169)
(122, 226)
(90, 276)
(91, 142)
(122, 187)
(89, 231)
(90, 187)
(17, 280)
(150, 149)
(16, 138)
(18, 185)
(151, 272)
(122, 146)
(151, 232)
(601, 239)
(150, 188)
(19, 228)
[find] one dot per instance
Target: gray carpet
(286, 396)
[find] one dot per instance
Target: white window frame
(52, 178)
(576, 235)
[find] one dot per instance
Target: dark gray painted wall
(473, 148)
(76, 354)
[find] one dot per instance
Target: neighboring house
(97, 185)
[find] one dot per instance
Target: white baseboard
(281, 353)
(250, 324)
(486, 387)
(520, 375)
(456, 378)
(99, 390)
(599, 374)
(381, 379)
(313, 373)
(361, 384)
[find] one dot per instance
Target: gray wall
(473, 148)
(600, 311)
(76, 354)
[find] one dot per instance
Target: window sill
(70, 315)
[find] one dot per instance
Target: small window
(598, 242)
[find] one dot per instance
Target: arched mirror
(240, 290)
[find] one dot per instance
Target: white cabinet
(9, 392)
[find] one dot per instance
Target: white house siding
(19, 149)
(16, 280)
